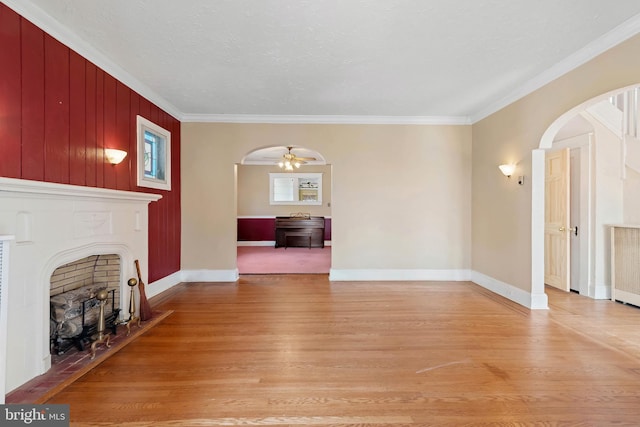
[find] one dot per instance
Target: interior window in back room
(295, 188)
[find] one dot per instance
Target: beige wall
(253, 192)
(501, 237)
(405, 201)
(400, 199)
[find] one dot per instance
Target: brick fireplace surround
(53, 225)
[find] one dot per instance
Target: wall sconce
(114, 156)
(507, 170)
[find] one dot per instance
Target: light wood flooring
(301, 351)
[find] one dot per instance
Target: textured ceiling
(459, 59)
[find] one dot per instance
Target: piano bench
(288, 234)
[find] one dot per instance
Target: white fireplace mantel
(28, 187)
(53, 224)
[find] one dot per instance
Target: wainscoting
(254, 230)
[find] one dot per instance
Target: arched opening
(266, 196)
(593, 133)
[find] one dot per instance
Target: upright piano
(300, 231)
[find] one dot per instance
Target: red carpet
(269, 260)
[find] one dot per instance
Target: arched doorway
(593, 263)
(258, 249)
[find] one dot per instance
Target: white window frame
(296, 179)
(164, 157)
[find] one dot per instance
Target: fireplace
(74, 308)
(54, 225)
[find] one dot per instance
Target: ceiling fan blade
(308, 159)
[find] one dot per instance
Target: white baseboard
(210, 275)
(257, 243)
(345, 275)
(159, 286)
(181, 276)
(601, 292)
(517, 295)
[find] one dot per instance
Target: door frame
(585, 227)
(538, 295)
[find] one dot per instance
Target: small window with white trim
(154, 155)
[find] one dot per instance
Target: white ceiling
(440, 61)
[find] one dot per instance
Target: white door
(556, 233)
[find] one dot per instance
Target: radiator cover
(625, 264)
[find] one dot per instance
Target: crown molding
(325, 119)
(622, 32)
(61, 33)
(54, 28)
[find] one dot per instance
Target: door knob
(573, 230)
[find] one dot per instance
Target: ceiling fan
(290, 160)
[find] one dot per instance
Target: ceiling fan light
(289, 161)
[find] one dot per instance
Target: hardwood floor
(298, 350)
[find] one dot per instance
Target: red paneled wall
(58, 111)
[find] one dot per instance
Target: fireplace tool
(132, 307)
(145, 308)
(101, 296)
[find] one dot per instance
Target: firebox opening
(74, 309)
